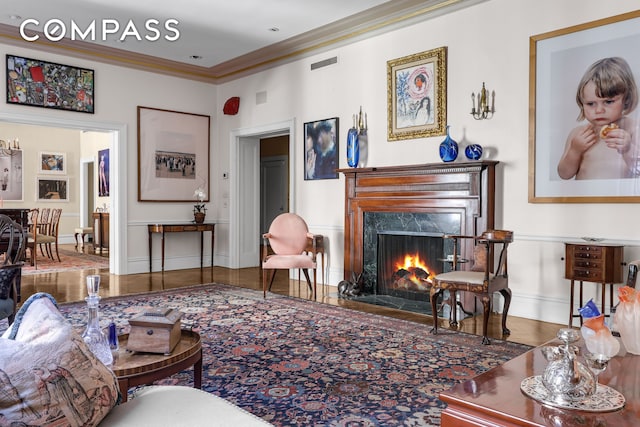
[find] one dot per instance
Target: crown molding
(377, 20)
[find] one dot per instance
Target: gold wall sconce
(480, 108)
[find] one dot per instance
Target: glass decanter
(566, 379)
(93, 335)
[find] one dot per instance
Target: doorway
(117, 144)
(245, 203)
(274, 179)
(87, 194)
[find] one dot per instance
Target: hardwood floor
(70, 286)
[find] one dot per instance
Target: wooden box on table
(155, 331)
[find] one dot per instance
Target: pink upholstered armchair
(287, 238)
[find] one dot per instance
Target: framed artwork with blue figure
(53, 163)
(417, 95)
(103, 173)
(321, 149)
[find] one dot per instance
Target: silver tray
(605, 399)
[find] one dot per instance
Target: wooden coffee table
(494, 397)
(136, 368)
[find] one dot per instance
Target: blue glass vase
(473, 151)
(448, 149)
(353, 148)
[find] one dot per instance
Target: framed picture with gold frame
(583, 79)
(417, 95)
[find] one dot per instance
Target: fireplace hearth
(413, 206)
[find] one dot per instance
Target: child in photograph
(606, 146)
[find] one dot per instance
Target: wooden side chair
(481, 280)
(43, 225)
(287, 238)
(51, 236)
(12, 247)
(32, 237)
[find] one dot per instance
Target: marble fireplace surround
(433, 198)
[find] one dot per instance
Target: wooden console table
(593, 262)
(494, 397)
(180, 228)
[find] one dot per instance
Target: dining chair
(287, 238)
(43, 225)
(51, 236)
(32, 237)
(482, 279)
(12, 247)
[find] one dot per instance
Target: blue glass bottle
(353, 148)
(448, 148)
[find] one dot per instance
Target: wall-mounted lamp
(481, 110)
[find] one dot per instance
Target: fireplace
(418, 204)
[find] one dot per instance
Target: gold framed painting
(583, 80)
(417, 95)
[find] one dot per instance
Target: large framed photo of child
(584, 113)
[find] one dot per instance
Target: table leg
(123, 384)
(150, 249)
(581, 303)
(201, 248)
(197, 372)
(213, 234)
(162, 237)
(571, 305)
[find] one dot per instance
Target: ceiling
(210, 40)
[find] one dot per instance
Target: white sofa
(179, 406)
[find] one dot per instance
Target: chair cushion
(288, 234)
(45, 238)
(288, 261)
(473, 277)
(179, 406)
(48, 374)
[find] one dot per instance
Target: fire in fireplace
(412, 274)
(407, 263)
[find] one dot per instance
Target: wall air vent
(324, 63)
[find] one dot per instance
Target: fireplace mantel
(467, 189)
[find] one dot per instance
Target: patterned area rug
(70, 260)
(294, 362)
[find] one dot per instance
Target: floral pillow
(48, 375)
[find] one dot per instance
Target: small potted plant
(199, 210)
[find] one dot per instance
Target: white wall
(118, 91)
(35, 140)
(487, 42)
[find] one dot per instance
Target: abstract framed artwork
(584, 81)
(52, 189)
(47, 84)
(52, 163)
(173, 155)
(417, 95)
(321, 146)
(103, 173)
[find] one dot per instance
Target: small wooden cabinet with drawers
(591, 262)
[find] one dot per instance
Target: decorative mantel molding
(467, 189)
